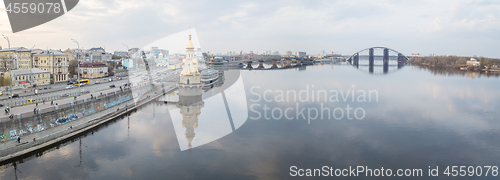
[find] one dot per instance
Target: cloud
(437, 27)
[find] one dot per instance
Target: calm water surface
(420, 118)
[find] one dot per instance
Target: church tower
(190, 92)
(190, 78)
(190, 73)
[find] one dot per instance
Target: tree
(73, 65)
(117, 57)
(111, 70)
(4, 81)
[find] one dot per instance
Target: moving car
(112, 85)
(15, 95)
(31, 101)
(97, 82)
(69, 87)
(69, 83)
(1, 93)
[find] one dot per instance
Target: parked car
(15, 95)
(44, 87)
(69, 87)
(31, 101)
(1, 105)
(1, 93)
(110, 79)
(97, 82)
(112, 85)
(40, 88)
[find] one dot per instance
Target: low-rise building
(99, 55)
(128, 63)
(8, 58)
(93, 70)
(120, 53)
(24, 78)
(24, 58)
(300, 54)
(473, 63)
(55, 62)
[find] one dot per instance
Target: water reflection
(456, 72)
(421, 119)
(388, 60)
(203, 118)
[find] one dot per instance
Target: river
(324, 115)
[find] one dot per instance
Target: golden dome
(190, 46)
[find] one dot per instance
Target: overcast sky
(447, 27)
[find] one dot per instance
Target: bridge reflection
(401, 59)
(272, 64)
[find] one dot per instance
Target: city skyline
(465, 28)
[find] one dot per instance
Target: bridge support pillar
(386, 60)
(401, 58)
(274, 64)
(371, 60)
(356, 60)
(261, 65)
(400, 65)
(249, 65)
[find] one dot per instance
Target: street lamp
(78, 69)
(31, 64)
(10, 57)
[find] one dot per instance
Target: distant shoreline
(456, 62)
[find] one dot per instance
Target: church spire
(190, 46)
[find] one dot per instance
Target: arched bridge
(354, 59)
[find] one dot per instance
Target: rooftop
(97, 49)
(11, 49)
(93, 64)
(28, 71)
(50, 52)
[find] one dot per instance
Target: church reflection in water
(223, 103)
(190, 108)
(190, 92)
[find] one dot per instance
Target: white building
(473, 63)
(24, 78)
(93, 70)
(190, 78)
(300, 54)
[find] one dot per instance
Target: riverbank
(457, 62)
(44, 139)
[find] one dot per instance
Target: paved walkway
(9, 147)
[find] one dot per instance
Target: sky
(446, 27)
